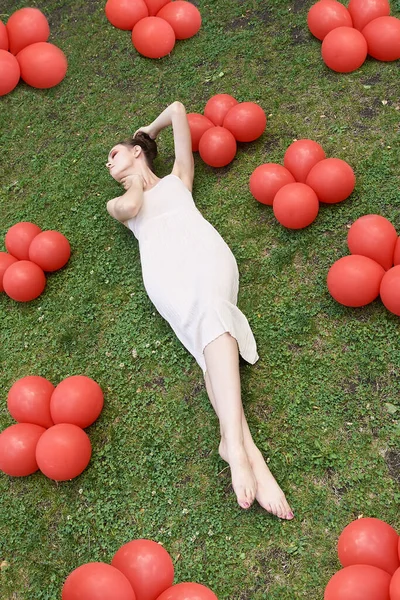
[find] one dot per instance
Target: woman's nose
(108, 165)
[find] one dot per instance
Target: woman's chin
(115, 176)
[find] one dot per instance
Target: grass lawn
(323, 400)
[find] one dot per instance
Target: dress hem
(243, 353)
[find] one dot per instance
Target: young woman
(191, 276)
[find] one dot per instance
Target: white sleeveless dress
(189, 272)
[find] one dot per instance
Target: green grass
(319, 401)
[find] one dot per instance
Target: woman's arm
(175, 115)
(128, 205)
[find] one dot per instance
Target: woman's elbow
(178, 107)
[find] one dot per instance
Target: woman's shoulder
(186, 182)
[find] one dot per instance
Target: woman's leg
(268, 494)
(222, 363)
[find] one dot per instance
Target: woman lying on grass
(191, 276)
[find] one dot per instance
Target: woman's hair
(148, 146)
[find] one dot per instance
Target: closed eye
(113, 153)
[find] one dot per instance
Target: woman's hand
(128, 205)
(149, 130)
(163, 120)
(135, 180)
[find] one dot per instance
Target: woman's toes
(287, 511)
(244, 502)
(274, 509)
(282, 511)
(251, 496)
(247, 500)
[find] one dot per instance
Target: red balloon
(43, 65)
(24, 281)
(25, 27)
(301, 156)
(97, 581)
(198, 124)
(364, 11)
(369, 541)
(295, 205)
(5, 261)
(375, 237)
(147, 566)
(28, 400)
(344, 49)
(19, 237)
(394, 590)
(4, 44)
(184, 18)
(78, 400)
(390, 290)
(383, 38)
(155, 6)
(358, 582)
(63, 452)
(354, 280)
(327, 15)
(124, 14)
(218, 106)
(50, 250)
(217, 147)
(188, 591)
(17, 449)
(9, 72)
(246, 121)
(332, 179)
(396, 254)
(267, 179)
(153, 37)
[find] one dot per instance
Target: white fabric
(189, 272)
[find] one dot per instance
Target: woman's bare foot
(243, 480)
(269, 495)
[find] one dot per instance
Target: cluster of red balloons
(49, 432)
(349, 34)
(30, 252)
(307, 178)
(155, 24)
(225, 121)
(140, 570)
(372, 268)
(25, 52)
(369, 551)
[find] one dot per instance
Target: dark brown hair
(148, 146)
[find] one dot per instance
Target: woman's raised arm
(175, 115)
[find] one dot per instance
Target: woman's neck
(149, 178)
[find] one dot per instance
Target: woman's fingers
(146, 130)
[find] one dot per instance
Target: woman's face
(120, 161)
